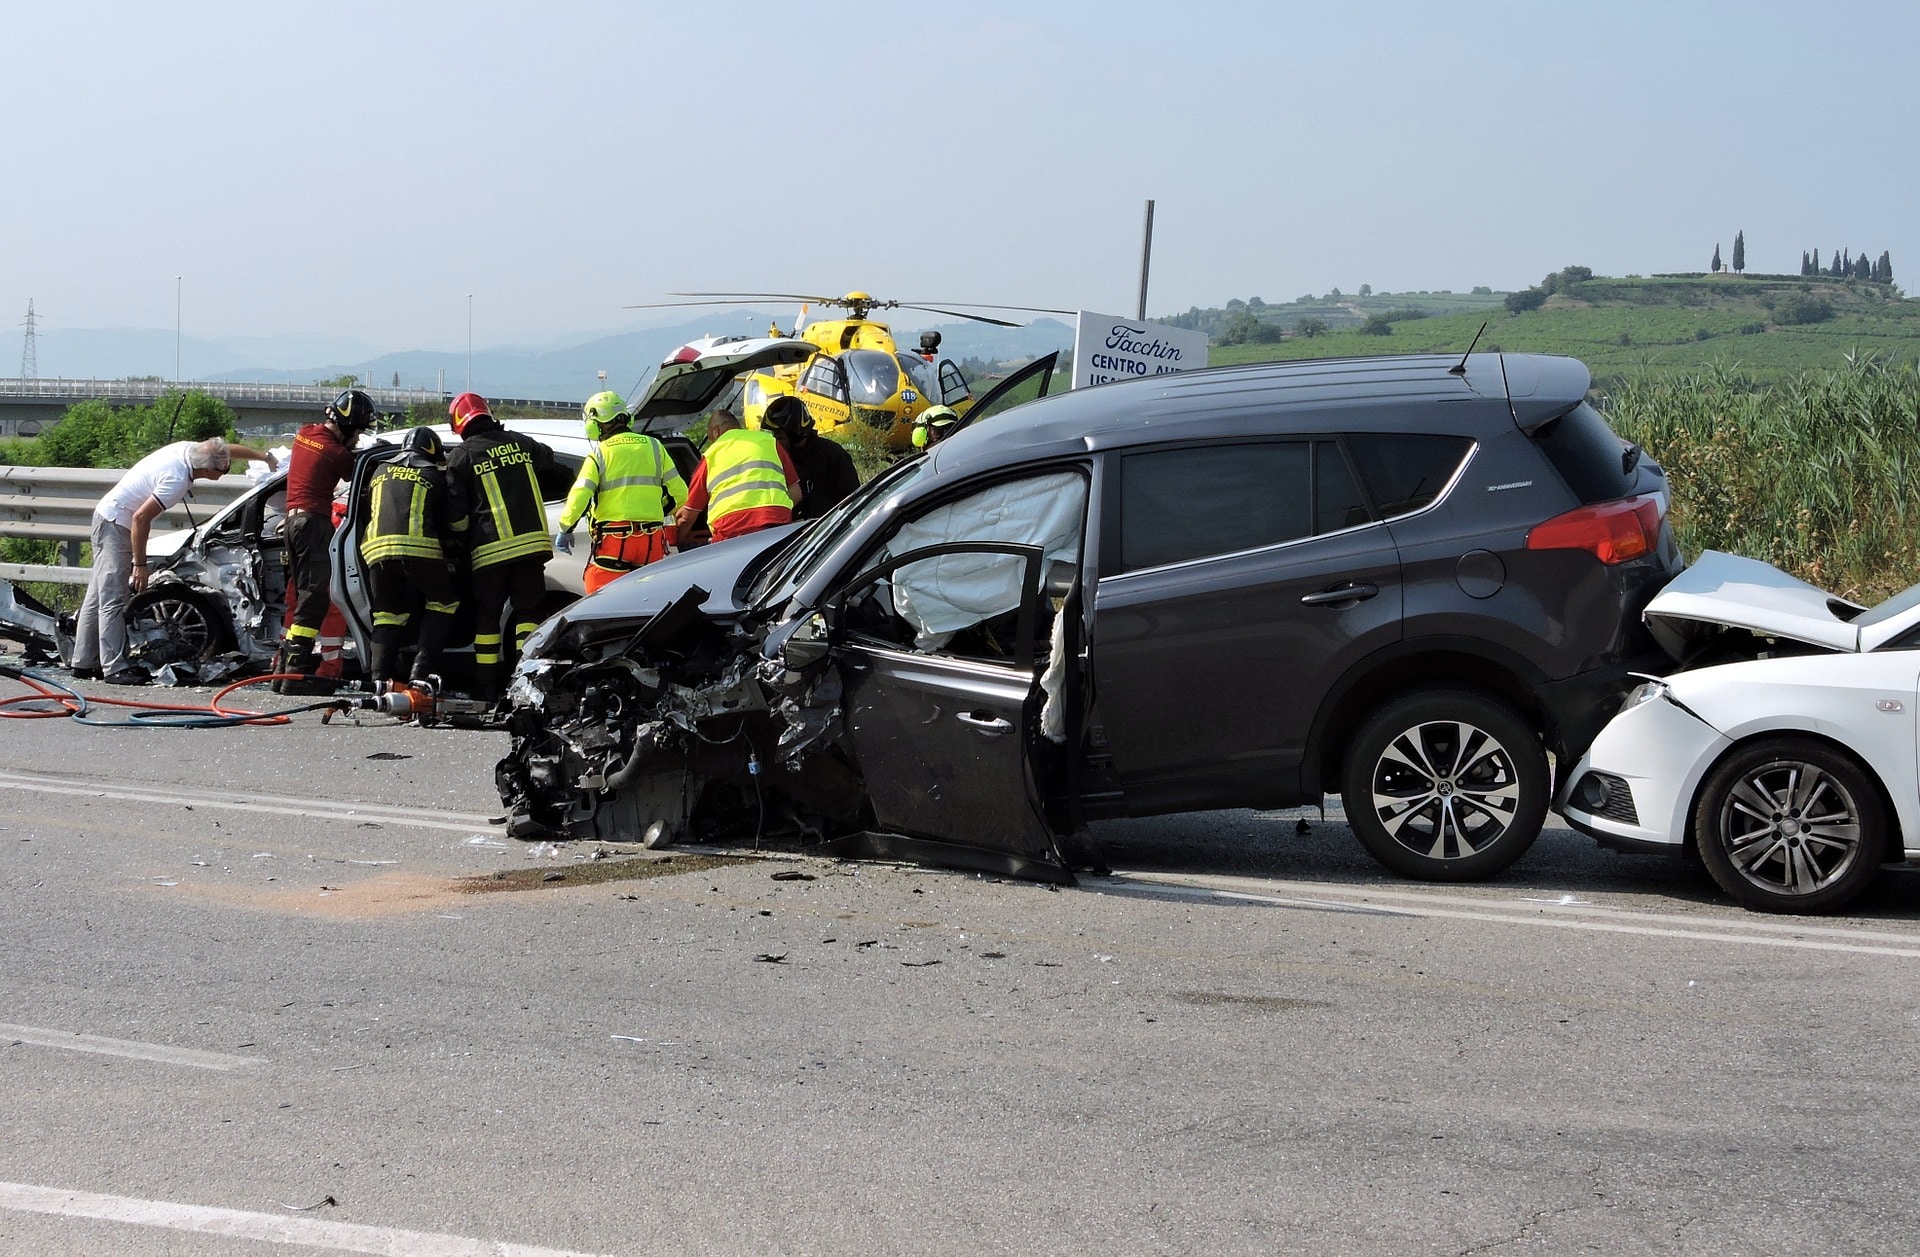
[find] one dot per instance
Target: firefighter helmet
(465, 408)
(352, 409)
(422, 445)
(604, 412)
(787, 414)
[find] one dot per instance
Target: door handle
(1339, 594)
(986, 724)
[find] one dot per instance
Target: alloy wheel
(1445, 789)
(1790, 827)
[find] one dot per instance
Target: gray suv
(1402, 580)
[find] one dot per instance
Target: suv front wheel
(1445, 785)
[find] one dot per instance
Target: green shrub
(1819, 474)
(1803, 308)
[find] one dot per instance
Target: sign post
(1108, 347)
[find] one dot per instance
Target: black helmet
(352, 410)
(787, 413)
(422, 445)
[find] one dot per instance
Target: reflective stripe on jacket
(495, 479)
(744, 472)
(626, 481)
(407, 513)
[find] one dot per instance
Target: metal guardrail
(315, 395)
(56, 504)
(386, 400)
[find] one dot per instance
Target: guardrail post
(70, 554)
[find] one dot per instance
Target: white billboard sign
(1107, 347)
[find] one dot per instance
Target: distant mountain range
(568, 373)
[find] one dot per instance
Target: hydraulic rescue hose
(53, 700)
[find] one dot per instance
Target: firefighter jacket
(407, 513)
(627, 480)
(744, 472)
(494, 475)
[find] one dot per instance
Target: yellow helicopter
(857, 373)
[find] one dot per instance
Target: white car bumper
(1645, 766)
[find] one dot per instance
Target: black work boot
(295, 655)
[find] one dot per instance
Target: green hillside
(1623, 327)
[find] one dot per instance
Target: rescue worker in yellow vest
(629, 484)
(745, 481)
(494, 476)
(409, 530)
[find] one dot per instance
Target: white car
(1788, 762)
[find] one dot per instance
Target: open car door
(1029, 383)
(693, 379)
(946, 740)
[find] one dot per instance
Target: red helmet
(465, 409)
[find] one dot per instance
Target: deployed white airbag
(939, 597)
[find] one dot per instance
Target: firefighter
(825, 469)
(494, 480)
(322, 458)
(933, 425)
(627, 483)
(745, 481)
(410, 529)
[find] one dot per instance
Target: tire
(1446, 785)
(1790, 825)
(196, 629)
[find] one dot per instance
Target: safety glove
(563, 541)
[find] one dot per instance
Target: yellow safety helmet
(601, 412)
(931, 424)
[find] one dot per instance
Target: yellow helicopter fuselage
(859, 377)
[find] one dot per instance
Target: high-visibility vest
(744, 472)
(626, 480)
(407, 513)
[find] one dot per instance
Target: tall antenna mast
(29, 358)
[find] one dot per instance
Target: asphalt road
(242, 978)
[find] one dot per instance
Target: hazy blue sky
(354, 170)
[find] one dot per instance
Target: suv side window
(1192, 503)
(1405, 471)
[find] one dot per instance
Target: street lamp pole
(176, 329)
(469, 342)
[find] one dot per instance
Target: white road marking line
(99, 1046)
(379, 813)
(344, 1237)
(1565, 917)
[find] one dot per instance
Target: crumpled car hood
(650, 590)
(1726, 589)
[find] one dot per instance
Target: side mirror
(1060, 579)
(805, 643)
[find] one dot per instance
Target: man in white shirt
(121, 523)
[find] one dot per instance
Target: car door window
(1192, 503)
(1337, 503)
(964, 604)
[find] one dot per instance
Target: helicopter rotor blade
(765, 296)
(991, 305)
(676, 305)
(957, 314)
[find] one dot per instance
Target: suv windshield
(811, 545)
(873, 376)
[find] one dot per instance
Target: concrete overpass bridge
(29, 406)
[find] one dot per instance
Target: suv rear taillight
(1612, 532)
